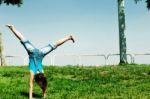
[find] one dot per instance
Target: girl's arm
(31, 85)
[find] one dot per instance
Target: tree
(122, 38)
(147, 2)
(2, 58)
(7, 2)
(12, 2)
(122, 26)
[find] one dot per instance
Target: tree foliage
(147, 2)
(12, 2)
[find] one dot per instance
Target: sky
(93, 23)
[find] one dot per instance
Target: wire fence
(81, 59)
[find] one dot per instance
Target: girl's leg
(31, 85)
(63, 40)
(17, 33)
(28, 46)
(47, 49)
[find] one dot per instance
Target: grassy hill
(72, 82)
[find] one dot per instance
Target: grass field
(72, 82)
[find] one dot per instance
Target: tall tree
(122, 38)
(7, 2)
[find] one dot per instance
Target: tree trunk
(122, 38)
(2, 58)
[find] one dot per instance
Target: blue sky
(93, 23)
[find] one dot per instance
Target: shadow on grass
(26, 94)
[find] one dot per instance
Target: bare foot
(9, 26)
(71, 38)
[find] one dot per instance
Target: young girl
(35, 58)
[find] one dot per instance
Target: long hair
(41, 80)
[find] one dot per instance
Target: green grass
(70, 82)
